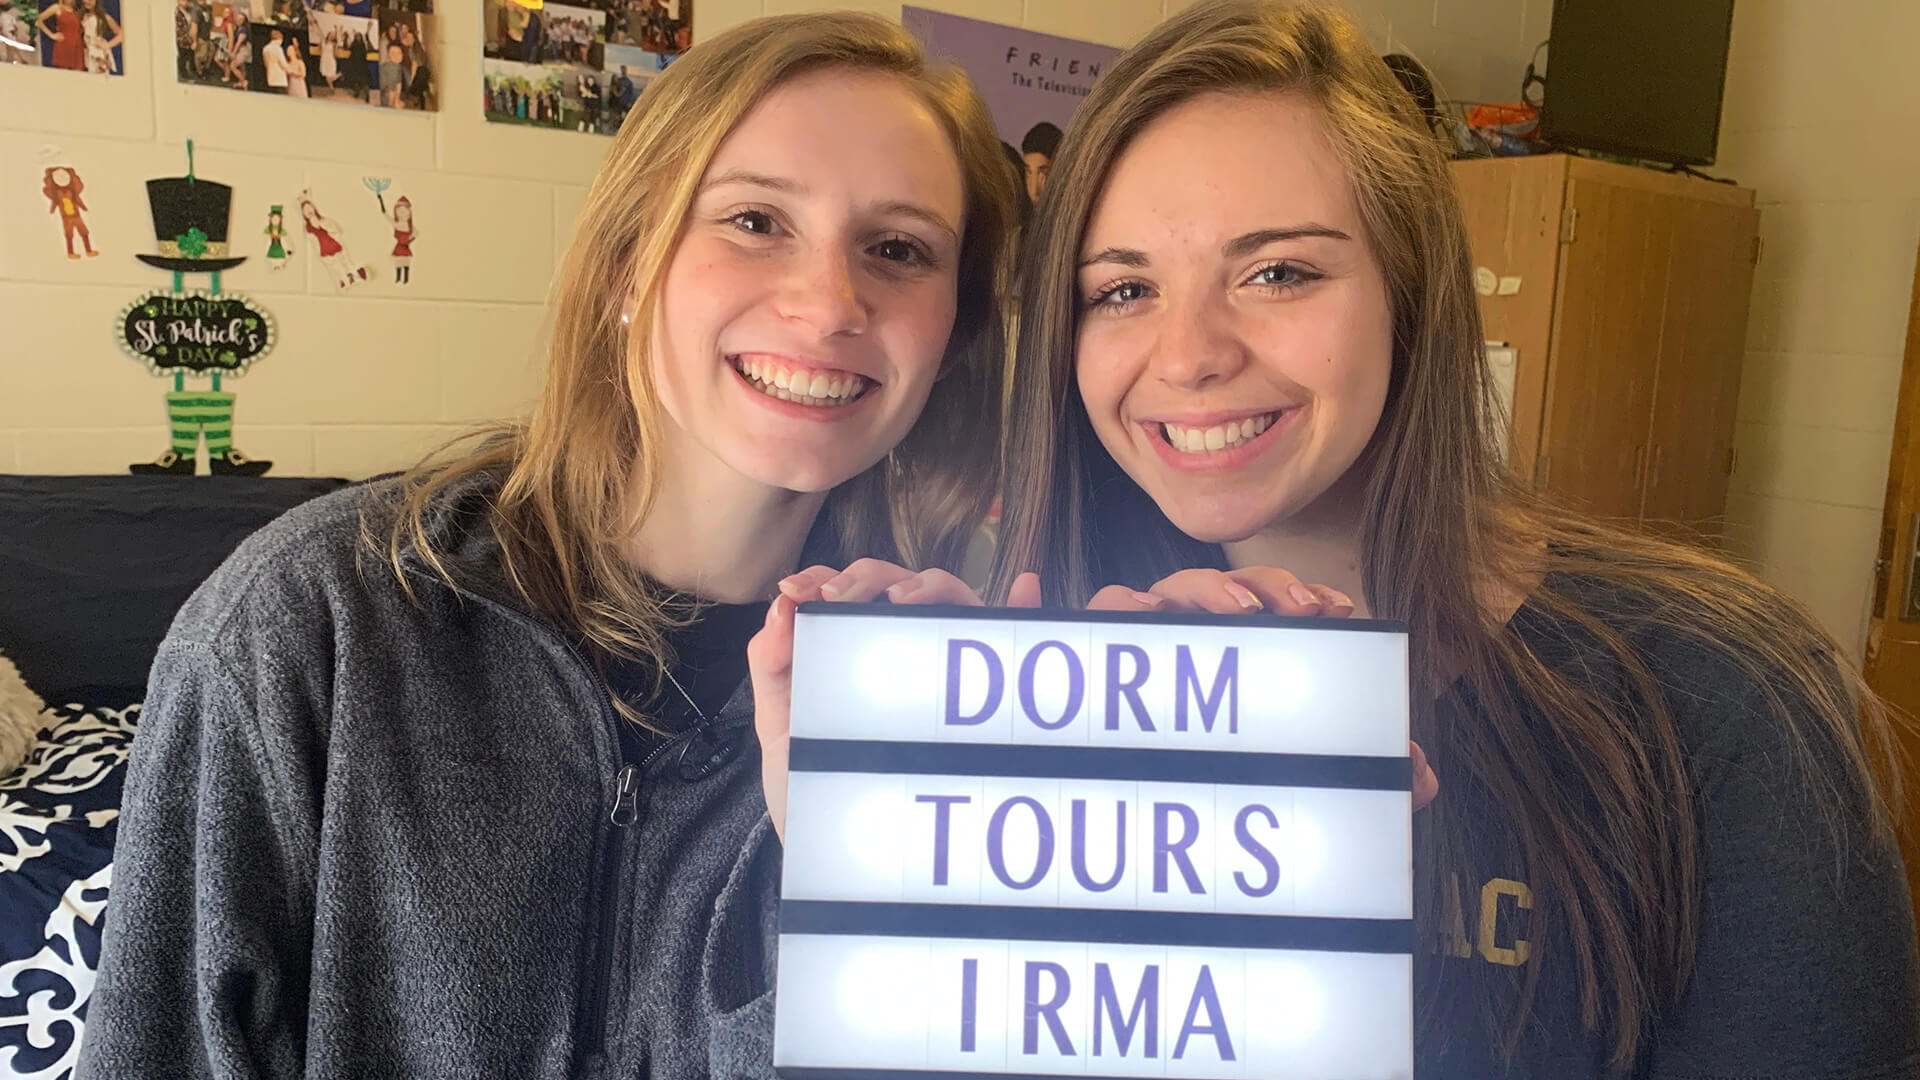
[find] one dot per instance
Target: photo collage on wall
(74, 35)
(369, 52)
(577, 67)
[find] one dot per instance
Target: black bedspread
(92, 568)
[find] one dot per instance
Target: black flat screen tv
(1639, 78)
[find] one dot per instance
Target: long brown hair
(1592, 806)
(577, 478)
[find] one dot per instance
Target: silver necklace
(716, 747)
(699, 713)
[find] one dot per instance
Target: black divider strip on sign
(1028, 761)
(1202, 930)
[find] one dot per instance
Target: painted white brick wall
(1823, 120)
(367, 381)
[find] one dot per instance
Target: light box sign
(1094, 844)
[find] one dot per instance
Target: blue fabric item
(58, 818)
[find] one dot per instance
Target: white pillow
(20, 720)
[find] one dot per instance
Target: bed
(91, 571)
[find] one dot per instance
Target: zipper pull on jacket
(625, 808)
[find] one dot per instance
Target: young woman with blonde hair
(442, 775)
(1249, 339)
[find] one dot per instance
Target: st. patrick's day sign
(1096, 844)
(195, 331)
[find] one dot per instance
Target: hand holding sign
(770, 653)
(1250, 591)
(1246, 591)
(770, 666)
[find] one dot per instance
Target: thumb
(1426, 785)
(1025, 592)
(770, 667)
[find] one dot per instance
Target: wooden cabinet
(1624, 293)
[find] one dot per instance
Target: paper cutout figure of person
(403, 237)
(62, 187)
(277, 247)
(331, 244)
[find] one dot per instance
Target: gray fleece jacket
(364, 836)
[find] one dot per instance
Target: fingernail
(900, 590)
(792, 585)
(1340, 599)
(1147, 599)
(1301, 595)
(832, 589)
(774, 612)
(1242, 597)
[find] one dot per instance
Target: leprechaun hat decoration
(190, 223)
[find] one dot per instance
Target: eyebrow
(921, 214)
(1259, 238)
(754, 179)
(1123, 256)
(1237, 247)
(897, 207)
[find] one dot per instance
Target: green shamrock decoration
(159, 350)
(193, 243)
(253, 324)
(228, 358)
(151, 310)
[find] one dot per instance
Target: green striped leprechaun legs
(191, 412)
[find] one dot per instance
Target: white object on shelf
(1502, 358)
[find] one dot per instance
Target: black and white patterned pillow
(57, 824)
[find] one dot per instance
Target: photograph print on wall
(663, 27)
(74, 35)
(369, 52)
(577, 67)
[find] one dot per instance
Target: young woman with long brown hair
(440, 776)
(1249, 338)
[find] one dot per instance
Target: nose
(821, 292)
(1197, 345)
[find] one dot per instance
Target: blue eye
(1282, 275)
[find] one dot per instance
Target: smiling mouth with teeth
(802, 386)
(1208, 440)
